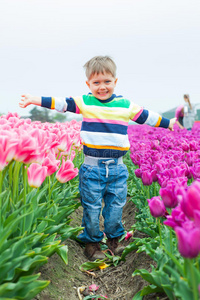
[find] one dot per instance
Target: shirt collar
(107, 100)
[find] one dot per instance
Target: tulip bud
(157, 207)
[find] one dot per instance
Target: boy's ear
(88, 84)
(116, 79)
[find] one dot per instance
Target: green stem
(173, 258)
(1, 184)
(171, 241)
(193, 279)
(24, 194)
(197, 262)
(49, 188)
(159, 229)
(16, 170)
(10, 177)
(148, 192)
(53, 188)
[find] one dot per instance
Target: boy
(104, 133)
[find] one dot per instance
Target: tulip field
(39, 165)
(168, 165)
(38, 191)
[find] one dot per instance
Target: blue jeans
(97, 183)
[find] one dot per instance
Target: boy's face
(102, 85)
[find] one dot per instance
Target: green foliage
(45, 115)
(26, 288)
(33, 224)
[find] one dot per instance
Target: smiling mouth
(104, 93)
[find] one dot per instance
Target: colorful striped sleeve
(152, 119)
(60, 104)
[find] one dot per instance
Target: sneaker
(114, 246)
(93, 251)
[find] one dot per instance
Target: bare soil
(115, 282)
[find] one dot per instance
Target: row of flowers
(41, 146)
(172, 160)
(37, 196)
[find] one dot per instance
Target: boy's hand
(171, 123)
(28, 99)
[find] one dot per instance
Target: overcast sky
(45, 43)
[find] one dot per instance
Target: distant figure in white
(189, 113)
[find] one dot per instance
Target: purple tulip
(138, 173)
(191, 200)
(169, 197)
(195, 170)
(185, 146)
(188, 242)
(177, 218)
(157, 207)
(147, 178)
(193, 145)
(197, 218)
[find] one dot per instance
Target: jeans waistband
(94, 161)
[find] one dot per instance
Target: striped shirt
(105, 122)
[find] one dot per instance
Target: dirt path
(115, 282)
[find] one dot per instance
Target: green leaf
(150, 289)
(182, 290)
(25, 289)
(145, 275)
(8, 269)
(138, 296)
(62, 251)
(92, 265)
(131, 247)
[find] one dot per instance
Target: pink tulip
(188, 242)
(157, 207)
(129, 234)
(65, 143)
(66, 171)
(3, 155)
(8, 144)
(26, 147)
(36, 174)
(51, 163)
(93, 287)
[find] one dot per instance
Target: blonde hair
(186, 96)
(100, 64)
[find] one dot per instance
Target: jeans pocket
(121, 182)
(89, 184)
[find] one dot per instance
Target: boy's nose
(102, 87)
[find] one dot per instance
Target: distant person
(179, 114)
(103, 175)
(189, 113)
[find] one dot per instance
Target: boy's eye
(96, 82)
(107, 81)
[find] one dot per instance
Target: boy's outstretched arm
(148, 117)
(28, 99)
(171, 123)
